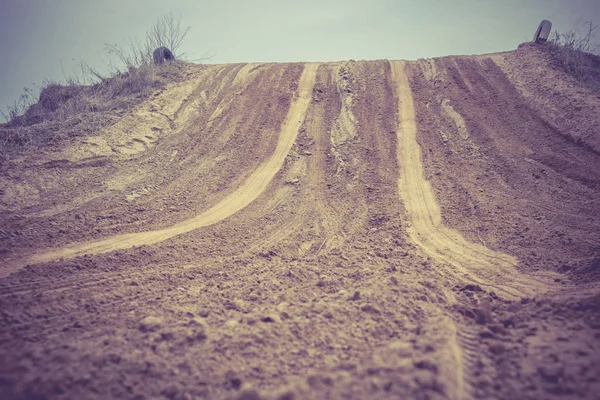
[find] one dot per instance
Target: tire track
(316, 226)
(475, 262)
(254, 185)
(466, 346)
(465, 260)
(60, 284)
(459, 363)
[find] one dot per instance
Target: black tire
(163, 54)
(543, 31)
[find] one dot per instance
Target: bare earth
(376, 229)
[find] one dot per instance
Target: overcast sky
(42, 38)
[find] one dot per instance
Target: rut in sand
(476, 262)
(256, 183)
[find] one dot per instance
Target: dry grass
(61, 102)
(91, 101)
(66, 111)
(575, 53)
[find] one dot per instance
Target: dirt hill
(375, 229)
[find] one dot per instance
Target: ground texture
(373, 229)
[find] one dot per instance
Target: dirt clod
(151, 323)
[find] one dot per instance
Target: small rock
(197, 322)
(483, 314)
(114, 358)
(347, 366)
(151, 323)
(242, 306)
(235, 382)
(319, 381)
(424, 364)
(232, 323)
(486, 334)
(551, 372)
(471, 288)
(369, 308)
(355, 296)
(401, 347)
(286, 395)
(531, 331)
(497, 348)
(170, 392)
(497, 329)
(196, 333)
(582, 353)
(283, 310)
(270, 318)
(508, 322)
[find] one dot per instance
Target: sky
(48, 39)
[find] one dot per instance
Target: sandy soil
(371, 229)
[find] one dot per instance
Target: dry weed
(575, 52)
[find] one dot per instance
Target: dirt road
(355, 230)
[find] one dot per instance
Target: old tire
(543, 31)
(163, 54)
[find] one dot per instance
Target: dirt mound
(367, 229)
(64, 112)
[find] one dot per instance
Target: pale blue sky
(37, 35)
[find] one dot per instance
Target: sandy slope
(254, 185)
(337, 230)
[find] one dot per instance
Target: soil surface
(374, 229)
